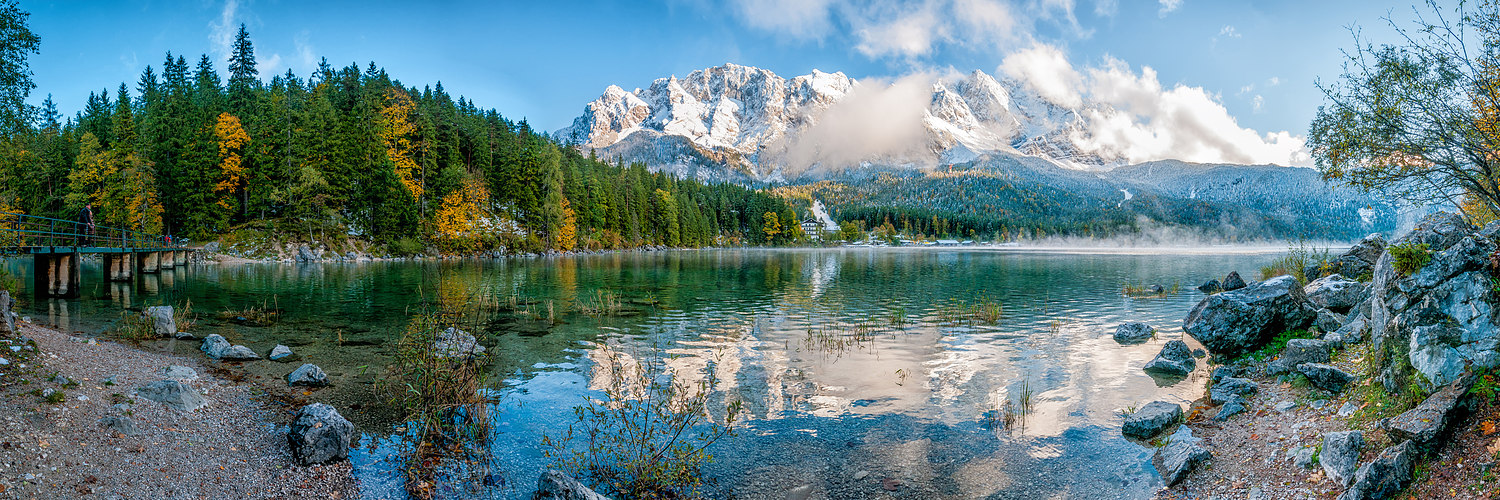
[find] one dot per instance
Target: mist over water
(806, 339)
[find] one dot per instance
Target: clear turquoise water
(905, 401)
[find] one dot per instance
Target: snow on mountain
(745, 119)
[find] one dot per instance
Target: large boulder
(1175, 460)
(1353, 331)
(1335, 292)
(1359, 261)
(174, 394)
(1328, 321)
(1149, 421)
(162, 322)
(453, 343)
(1134, 333)
(1297, 352)
(1231, 389)
(1387, 475)
(1236, 322)
(307, 375)
(1175, 359)
(214, 345)
(306, 254)
(1439, 317)
(1340, 455)
(319, 434)
(1424, 424)
(554, 485)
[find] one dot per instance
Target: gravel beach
(234, 446)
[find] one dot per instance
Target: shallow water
(805, 339)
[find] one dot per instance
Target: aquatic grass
(898, 315)
(263, 315)
(649, 434)
(604, 303)
(1295, 263)
(985, 310)
(1133, 290)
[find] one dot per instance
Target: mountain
(983, 152)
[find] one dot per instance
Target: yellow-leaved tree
(395, 127)
(232, 140)
(567, 232)
(457, 224)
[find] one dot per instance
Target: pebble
(1319, 404)
(861, 475)
(1285, 406)
(1348, 409)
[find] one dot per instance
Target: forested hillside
(347, 152)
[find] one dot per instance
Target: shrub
(1409, 258)
(649, 434)
(404, 247)
(1295, 263)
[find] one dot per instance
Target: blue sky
(543, 60)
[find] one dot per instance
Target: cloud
(222, 31)
(1228, 31)
(1274, 81)
(1046, 70)
(1151, 122)
(1106, 8)
(1167, 6)
(1257, 103)
(878, 119)
(803, 19)
(908, 34)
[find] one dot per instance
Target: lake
(857, 369)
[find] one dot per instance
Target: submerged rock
(1150, 420)
(1387, 475)
(1134, 333)
(174, 394)
(307, 375)
(1340, 455)
(214, 345)
(162, 322)
(554, 485)
(1236, 322)
(280, 352)
(452, 343)
(1175, 359)
(319, 434)
(238, 353)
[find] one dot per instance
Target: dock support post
(56, 274)
(119, 266)
(148, 262)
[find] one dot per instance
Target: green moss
(1277, 343)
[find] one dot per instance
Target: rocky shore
(1377, 379)
(91, 417)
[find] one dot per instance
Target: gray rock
(1210, 286)
(1302, 456)
(1340, 455)
(1297, 352)
(184, 336)
(214, 345)
(1367, 250)
(1236, 322)
(179, 373)
(174, 394)
(452, 343)
(308, 375)
(1284, 406)
(1231, 388)
(238, 353)
(1234, 406)
(1334, 340)
(319, 434)
(1335, 292)
(1328, 321)
(1425, 423)
(162, 322)
(554, 485)
(8, 323)
(306, 254)
(1348, 409)
(1326, 377)
(1150, 420)
(1134, 333)
(1175, 359)
(211, 247)
(1387, 475)
(1233, 282)
(1175, 460)
(1353, 331)
(1222, 371)
(120, 424)
(279, 353)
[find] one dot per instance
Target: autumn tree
(231, 139)
(1416, 120)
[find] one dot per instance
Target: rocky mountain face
(745, 121)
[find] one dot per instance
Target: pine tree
(243, 77)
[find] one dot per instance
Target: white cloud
(1167, 6)
(1228, 31)
(1046, 70)
(221, 32)
(1274, 81)
(1258, 102)
(909, 34)
(1106, 8)
(804, 19)
(879, 118)
(1246, 90)
(1151, 122)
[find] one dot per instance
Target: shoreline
(234, 447)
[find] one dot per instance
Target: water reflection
(844, 360)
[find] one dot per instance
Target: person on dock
(86, 223)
